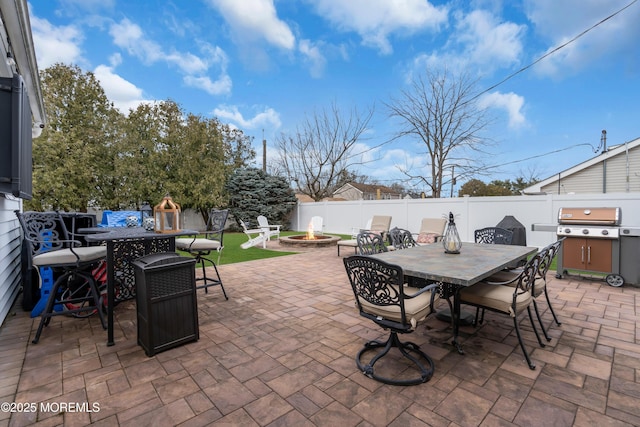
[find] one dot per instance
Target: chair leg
(209, 281)
(54, 299)
(544, 330)
(533, 326)
(408, 350)
(553, 313)
(524, 350)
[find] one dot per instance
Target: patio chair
(269, 230)
(547, 254)
(370, 243)
(509, 298)
(255, 235)
(493, 235)
(378, 224)
(382, 298)
(401, 239)
(431, 230)
(73, 286)
(201, 247)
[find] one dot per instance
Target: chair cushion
(496, 297)
(187, 243)
(507, 275)
(416, 309)
(66, 257)
(350, 242)
(427, 238)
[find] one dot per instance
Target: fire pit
(309, 240)
(304, 241)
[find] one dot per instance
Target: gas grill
(591, 242)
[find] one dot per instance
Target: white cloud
(316, 60)
(221, 86)
(124, 94)
(252, 20)
(488, 42)
(56, 44)
(558, 22)
(376, 20)
(130, 37)
(268, 118)
(510, 102)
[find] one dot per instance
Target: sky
(264, 66)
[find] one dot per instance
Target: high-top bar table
(474, 263)
(125, 245)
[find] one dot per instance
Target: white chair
(268, 229)
(255, 235)
(317, 225)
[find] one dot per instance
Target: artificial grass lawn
(233, 253)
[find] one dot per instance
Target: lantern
(451, 240)
(167, 216)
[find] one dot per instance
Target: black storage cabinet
(166, 300)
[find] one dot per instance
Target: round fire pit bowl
(302, 241)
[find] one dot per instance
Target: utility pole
(264, 153)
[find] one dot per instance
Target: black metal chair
(401, 238)
(74, 288)
(370, 243)
(201, 247)
(546, 254)
(382, 298)
(508, 298)
(493, 235)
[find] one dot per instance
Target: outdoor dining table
(124, 246)
(474, 263)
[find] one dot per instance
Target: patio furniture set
(395, 285)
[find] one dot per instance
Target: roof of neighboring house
(611, 152)
(368, 188)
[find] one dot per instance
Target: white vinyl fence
(470, 213)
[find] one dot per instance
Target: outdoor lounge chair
(382, 297)
(201, 247)
(378, 224)
(268, 230)
(431, 230)
(255, 235)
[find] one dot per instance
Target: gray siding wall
(622, 175)
(9, 255)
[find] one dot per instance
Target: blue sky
(262, 65)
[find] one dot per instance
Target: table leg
(111, 281)
(456, 319)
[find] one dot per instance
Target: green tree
(73, 160)
(252, 192)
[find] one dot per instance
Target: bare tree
(439, 109)
(318, 156)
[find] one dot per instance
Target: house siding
(9, 255)
(622, 175)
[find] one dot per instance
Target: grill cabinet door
(587, 254)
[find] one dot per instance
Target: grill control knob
(585, 231)
(567, 230)
(605, 232)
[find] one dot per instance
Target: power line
(551, 52)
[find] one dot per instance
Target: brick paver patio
(280, 352)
